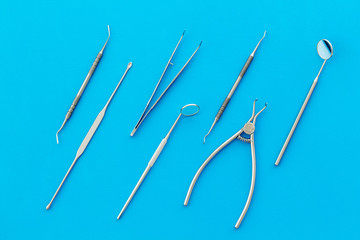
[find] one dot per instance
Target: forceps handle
(240, 76)
(86, 81)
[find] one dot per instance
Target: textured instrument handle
(240, 76)
(222, 108)
(233, 88)
(86, 81)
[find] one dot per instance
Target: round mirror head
(190, 110)
(324, 49)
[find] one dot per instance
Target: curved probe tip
(210, 128)
(57, 133)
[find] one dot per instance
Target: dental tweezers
(147, 110)
(83, 86)
(248, 129)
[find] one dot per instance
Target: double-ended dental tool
(187, 110)
(90, 134)
(246, 134)
(233, 88)
(83, 86)
(147, 110)
(325, 51)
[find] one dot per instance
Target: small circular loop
(190, 110)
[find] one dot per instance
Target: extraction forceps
(233, 88)
(248, 129)
(83, 86)
(90, 134)
(147, 110)
(187, 111)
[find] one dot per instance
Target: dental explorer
(325, 51)
(145, 112)
(191, 110)
(248, 130)
(233, 88)
(83, 86)
(90, 134)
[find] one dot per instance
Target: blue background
(47, 48)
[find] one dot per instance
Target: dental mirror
(190, 110)
(325, 51)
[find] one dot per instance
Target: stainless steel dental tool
(83, 86)
(146, 111)
(187, 110)
(90, 134)
(233, 88)
(248, 129)
(325, 51)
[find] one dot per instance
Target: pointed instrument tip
(48, 206)
(183, 33)
(133, 132)
(57, 133)
(200, 43)
(210, 128)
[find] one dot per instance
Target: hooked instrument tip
(102, 50)
(253, 53)
(57, 133)
(210, 129)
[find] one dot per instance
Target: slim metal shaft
(134, 190)
(89, 135)
(83, 86)
(298, 116)
(233, 88)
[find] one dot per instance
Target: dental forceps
(248, 129)
(83, 86)
(90, 134)
(233, 88)
(146, 111)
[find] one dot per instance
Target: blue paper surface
(47, 48)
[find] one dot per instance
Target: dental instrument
(145, 112)
(233, 88)
(187, 110)
(246, 134)
(90, 134)
(325, 51)
(83, 86)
